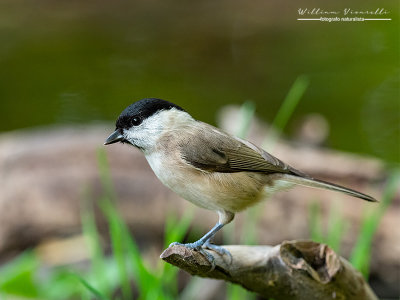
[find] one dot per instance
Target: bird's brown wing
(212, 150)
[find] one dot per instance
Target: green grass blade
(96, 293)
(315, 222)
(286, 110)
(253, 214)
(289, 104)
(105, 174)
(128, 253)
(146, 280)
(115, 223)
(336, 229)
(175, 230)
(249, 231)
(336, 226)
(360, 255)
(123, 244)
(118, 246)
(246, 114)
(236, 292)
(59, 284)
(92, 237)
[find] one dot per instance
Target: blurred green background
(83, 61)
(78, 62)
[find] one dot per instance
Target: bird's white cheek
(140, 138)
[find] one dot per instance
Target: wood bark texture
(292, 270)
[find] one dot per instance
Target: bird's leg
(225, 217)
(198, 244)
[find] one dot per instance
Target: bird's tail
(311, 182)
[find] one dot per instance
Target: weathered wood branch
(43, 174)
(292, 270)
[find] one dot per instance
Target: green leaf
(17, 277)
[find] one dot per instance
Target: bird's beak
(115, 137)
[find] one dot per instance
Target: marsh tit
(205, 165)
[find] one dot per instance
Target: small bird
(206, 165)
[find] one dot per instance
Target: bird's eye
(136, 121)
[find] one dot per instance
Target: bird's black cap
(135, 113)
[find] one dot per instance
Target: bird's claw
(198, 247)
(192, 246)
(220, 250)
(207, 245)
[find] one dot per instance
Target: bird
(207, 166)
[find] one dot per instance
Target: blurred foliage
(114, 276)
(17, 277)
(361, 254)
(125, 275)
(253, 214)
(74, 61)
(79, 62)
(337, 226)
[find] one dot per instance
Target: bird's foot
(198, 247)
(220, 250)
(207, 245)
(192, 246)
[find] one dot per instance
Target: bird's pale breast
(212, 190)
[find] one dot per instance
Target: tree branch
(292, 270)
